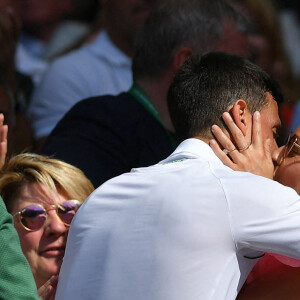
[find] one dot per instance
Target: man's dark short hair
(172, 24)
(206, 86)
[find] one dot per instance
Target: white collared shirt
(187, 228)
(30, 65)
(95, 69)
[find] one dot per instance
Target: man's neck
(203, 139)
(156, 90)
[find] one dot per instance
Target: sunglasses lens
(67, 210)
(33, 217)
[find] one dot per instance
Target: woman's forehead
(40, 194)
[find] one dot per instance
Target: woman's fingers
(223, 139)
(222, 155)
(238, 154)
(237, 135)
(47, 291)
(256, 132)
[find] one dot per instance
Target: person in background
(19, 72)
(289, 23)
(267, 50)
(42, 194)
(84, 13)
(97, 68)
(45, 33)
(15, 87)
(109, 135)
(9, 88)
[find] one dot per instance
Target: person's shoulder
(225, 173)
(119, 111)
(121, 103)
(78, 57)
(236, 181)
(88, 52)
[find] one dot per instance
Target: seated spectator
(109, 135)
(97, 68)
(42, 194)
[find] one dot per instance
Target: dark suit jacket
(107, 136)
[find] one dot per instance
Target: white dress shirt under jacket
(187, 228)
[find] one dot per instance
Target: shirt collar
(191, 149)
(107, 50)
(34, 46)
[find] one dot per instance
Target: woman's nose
(54, 225)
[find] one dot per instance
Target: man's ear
(181, 55)
(241, 115)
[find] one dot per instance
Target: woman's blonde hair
(55, 174)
